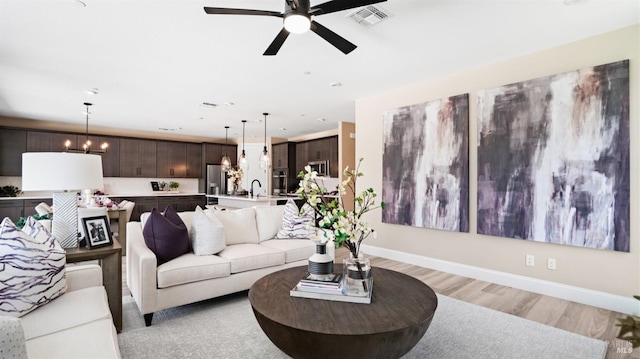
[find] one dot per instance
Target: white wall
(604, 271)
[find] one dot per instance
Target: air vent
(369, 15)
(209, 104)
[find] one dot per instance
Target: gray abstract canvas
(426, 164)
(553, 159)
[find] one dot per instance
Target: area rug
(226, 328)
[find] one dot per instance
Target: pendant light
(86, 147)
(242, 160)
(226, 161)
(265, 160)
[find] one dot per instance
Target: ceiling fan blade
(276, 44)
(226, 11)
(339, 5)
(334, 39)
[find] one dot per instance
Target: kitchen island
(226, 201)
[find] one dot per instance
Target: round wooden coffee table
(400, 312)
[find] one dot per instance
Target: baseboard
(616, 303)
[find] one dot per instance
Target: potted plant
(174, 185)
(630, 329)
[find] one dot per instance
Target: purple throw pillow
(166, 235)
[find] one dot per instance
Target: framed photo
(155, 186)
(97, 231)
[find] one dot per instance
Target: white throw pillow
(207, 234)
(297, 223)
(33, 267)
(239, 225)
(12, 341)
(269, 219)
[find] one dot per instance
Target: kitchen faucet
(259, 185)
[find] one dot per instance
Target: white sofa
(190, 278)
(77, 324)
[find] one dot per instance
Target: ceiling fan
(297, 19)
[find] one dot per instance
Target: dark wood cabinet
(12, 208)
(29, 205)
(213, 153)
(284, 158)
(12, 144)
(321, 149)
(137, 157)
(194, 160)
(171, 159)
(111, 158)
(181, 203)
(43, 141)
(143, 204)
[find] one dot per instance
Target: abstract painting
(553, 159)
(425, 180)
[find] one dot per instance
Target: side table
(110, 258)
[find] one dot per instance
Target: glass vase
(357, 276)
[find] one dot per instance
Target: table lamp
(64, 174)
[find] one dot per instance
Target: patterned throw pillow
(166, 234)
(32, 267)
(12, 341)
(207, 234)
(296, 223)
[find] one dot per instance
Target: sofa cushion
(12, 342)
(166, 235)
(192, 268)
(32, 267)
(296, 223)
(239, 225)
(246, 257)
(95, 340)
(268, 220)
(70, 310)
(207, 234)
(294, 249)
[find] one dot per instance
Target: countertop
(245, 198)
(114, 195)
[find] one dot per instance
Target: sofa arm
(142, 268)
(83, 276)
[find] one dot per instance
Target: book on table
(336, 295)
(332, 279)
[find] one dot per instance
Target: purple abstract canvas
(553, 159)
(426, 165)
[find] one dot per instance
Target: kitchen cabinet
(143, 204)
(29, 205)
(137, 157)
(284, 157)
(12, 144)
(194, 160)
(43, 141)
(111, 158)
(171, 159)
(213, 153)
(181, 203)
(321, 149)
(12, 208)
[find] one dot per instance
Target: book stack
(332, 284)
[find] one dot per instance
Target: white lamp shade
(60, 171)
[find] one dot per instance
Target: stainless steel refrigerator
(216, 180)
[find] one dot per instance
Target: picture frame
(155, 186)
(97, 231)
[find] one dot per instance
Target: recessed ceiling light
(80, 3)
(322, 119)
(307, 72)
(228, 103)
(335, 84)
(93, 91)
(282, 129)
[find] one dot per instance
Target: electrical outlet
(530, 260)
(551, 263)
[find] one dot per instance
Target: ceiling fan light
(297, 23)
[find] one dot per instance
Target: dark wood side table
(121, 215)
(400, 313)
(110, 258)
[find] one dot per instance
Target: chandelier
(86, 147)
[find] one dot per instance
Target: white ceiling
(155, 62)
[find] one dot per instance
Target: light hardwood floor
(570, 316)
